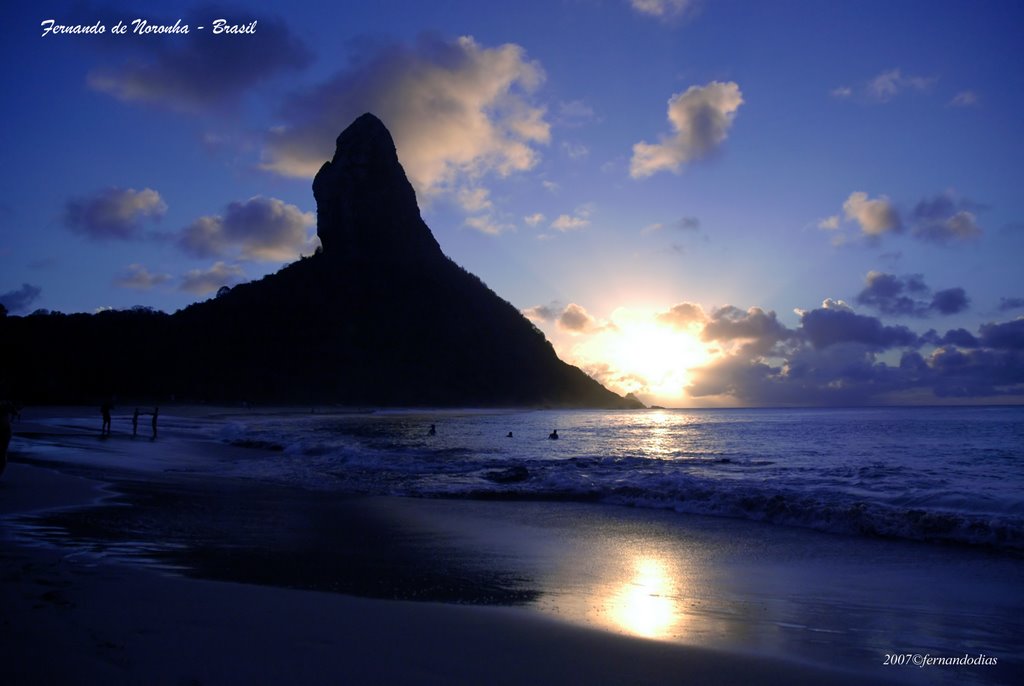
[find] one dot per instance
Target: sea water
(947, 474)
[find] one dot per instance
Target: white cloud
(137, 277)
(114, 213)
(566, 223)
(842, 92)
(964, 99)
(829, 223)
(550, 186)
(542, 313)
(575, 151)
(575, 113)
(889, 84)
(203, 281)
(262, 229)
(577, 220)
(876, 217)
(700, 117)
(664, 9)
(487, 224)
(683, 315)
(457, 111)
(534, 219)
(474, 199)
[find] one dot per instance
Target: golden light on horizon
(645, 355)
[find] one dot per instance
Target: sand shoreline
(76, 616)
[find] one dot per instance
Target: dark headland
(379, 316)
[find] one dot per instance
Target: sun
(646, 356)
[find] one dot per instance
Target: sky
(702, 202)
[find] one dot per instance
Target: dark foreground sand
(83, 614)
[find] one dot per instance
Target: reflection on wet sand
(648, 603)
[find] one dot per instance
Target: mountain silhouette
(379, 316)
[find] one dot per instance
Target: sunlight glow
(644, 355)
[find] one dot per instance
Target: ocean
(948, 475)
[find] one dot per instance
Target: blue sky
(596, 163)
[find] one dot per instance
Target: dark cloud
(829, 326)
(114, 213)
(1005, 336)
(202, 70)
(950, 301)
(909, 296)
(688, 224)
(975, 373)
(961, 338)
(263, 229)
(943, 219)
(893, 295)
(1006, 304)
(21, 299)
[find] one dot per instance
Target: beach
(131, 561)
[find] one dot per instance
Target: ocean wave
(859, 489)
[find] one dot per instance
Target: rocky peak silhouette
(366, 207)
(380, 318)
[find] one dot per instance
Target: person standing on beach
(135, 423)
(156, 413)
(105, 409)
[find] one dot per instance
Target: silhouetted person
(105, 409)
(553, 435)
(509, 435)
(135, 423)
(432, 431)
(156, 413)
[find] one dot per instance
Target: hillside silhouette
(379, 316)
